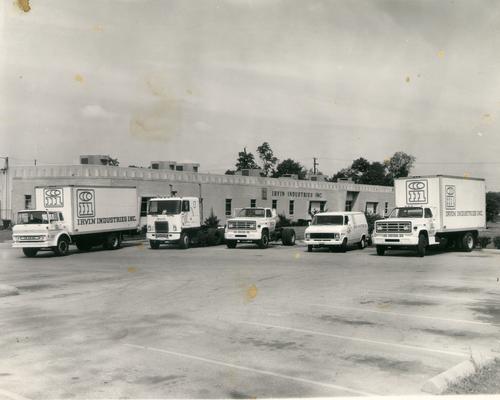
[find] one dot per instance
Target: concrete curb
(440, 383)
(7, 290)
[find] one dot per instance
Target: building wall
(214, 189)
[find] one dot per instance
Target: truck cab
(256, 225)
(173, 220)
(39, 230)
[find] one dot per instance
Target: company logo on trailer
(450, 195)
(416, 192)
(53, 197)
(85, 203)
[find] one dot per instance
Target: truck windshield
(164, 207)
(328, 220)
(407, 212)
(252, 212)
(32, 217)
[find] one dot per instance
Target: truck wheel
(184, 241)
(154, 244)
(263, 243)
(362, 243)
(380, 250)
(288, 237)
(62, 246)
(422, 244)
(30, 251)
(112, 241)
(468, 242)
(231, 244)
(83, 245)
(309, 248)
(343, 246)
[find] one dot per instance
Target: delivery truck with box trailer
(433, 210)
(86, 216)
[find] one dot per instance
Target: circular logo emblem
(85, 196)
(417, 185)
(450, 191)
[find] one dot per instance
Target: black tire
(343, 246)
(288, 237)
(62, 247)
(309, 248)
(421, 246)
(231, 244)
(184, 241)
(263, 243)
(468, 242)
(380, 250)
(83, 245)
(154, 244)
(30, 251)
(112, 241)
(362, 243)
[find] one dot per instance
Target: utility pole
(315, 164)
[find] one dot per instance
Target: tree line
(360, 171)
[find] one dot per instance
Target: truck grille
(241, 225)
(161, 226)
(393, 227)
(323, 235)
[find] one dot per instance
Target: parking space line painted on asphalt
(12, 396)
(355, 339)
(253, 370)
(461, 321)
(448, 298)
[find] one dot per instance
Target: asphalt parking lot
(242, 323)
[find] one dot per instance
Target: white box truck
(433, 210)
(84, 215)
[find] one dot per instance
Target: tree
(289, 166)
(212, 221)
(399, 166)
(268, 159)
(245, 161)
(111, 161)
(492, 206)
(229, 172)
(374, 175)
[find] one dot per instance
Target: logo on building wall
(85, 199)
(416, 192)
(53, 197)
(450, 195)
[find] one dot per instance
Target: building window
(27, 201)
(386, 208)
(144, 206)
(195, 168)
(172, 166)
(179, 168)
(245, 172)
(228, 207)
(314, 178)
(84, 160)
(275, 204)
(291, 207)
(264, 193)
(253, 203)
(371, 207)
(348, 205)
(155, 166)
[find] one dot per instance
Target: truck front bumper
(324, 242)
(164, 237)
(243, 236)
(46, 244)
(394, 239)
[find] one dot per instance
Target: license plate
(161, 235)
(30, 237)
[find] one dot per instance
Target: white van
(337, 229)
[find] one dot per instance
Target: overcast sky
(199, 80)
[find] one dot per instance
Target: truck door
(272, 221)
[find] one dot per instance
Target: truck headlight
(149, 228)
(174, 228)
(307, 235)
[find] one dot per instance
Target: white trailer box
(84, 215)
(441, 209)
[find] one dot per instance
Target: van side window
(428, 213)
(346, 220)
(61, 217)
(268, 214)
(185, 205)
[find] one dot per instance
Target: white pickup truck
(433, 210)
(257, 225)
